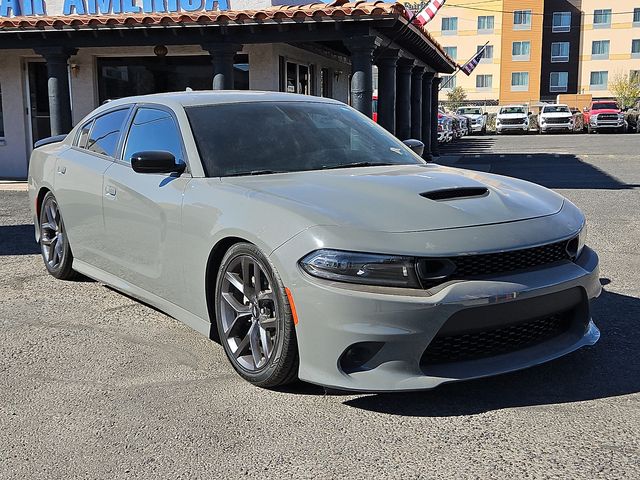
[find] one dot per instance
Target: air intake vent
(455, 193)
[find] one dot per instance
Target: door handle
(110, 191)
(62, 169)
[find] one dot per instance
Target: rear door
(79, 183)
(142, 212)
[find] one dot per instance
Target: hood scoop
(455, 193)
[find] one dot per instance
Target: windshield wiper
(356, 164)
(252, 172)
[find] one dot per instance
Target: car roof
(555, 105)
(215, 97)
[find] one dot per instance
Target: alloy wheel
(52, 234)
(249, 313)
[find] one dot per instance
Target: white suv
(514, 118)
(556, 117)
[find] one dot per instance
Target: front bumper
(477, 127)
(513, 128)
(556, 126)
(335, 316)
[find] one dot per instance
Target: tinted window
(512, 110)
(106, 132)
(243, 138)
(153, 130)
(556, 109)
(83, 135)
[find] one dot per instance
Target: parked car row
(452, 126)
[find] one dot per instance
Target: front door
(38, 101)
(143, 212)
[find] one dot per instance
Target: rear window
(105, 133)
(274, 137)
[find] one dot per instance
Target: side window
(153, 129)
(106, 132)
(83, 135)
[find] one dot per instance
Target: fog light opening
(355, 357)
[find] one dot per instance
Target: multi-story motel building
(538, 49)
(60, 59)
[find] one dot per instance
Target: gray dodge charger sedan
(312, 243)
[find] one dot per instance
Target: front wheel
(54, 243)
(254, 318)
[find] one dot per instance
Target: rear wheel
(254, 318)
(54, 244)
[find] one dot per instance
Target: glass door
(38, 98)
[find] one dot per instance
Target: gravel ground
(96, 385)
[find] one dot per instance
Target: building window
(559, 81)
(487, 56)
(449, 25)
(1, 119)
(486, 23)
(599, 80)
(561, 22)
(522, 20)
(559, 52)
(636, 17)
(519, 81)
(635, 48)
(452, 52)
(484, 82)
(521, 51)
(602, 18)
(448, 82)
(298, 78)
(600, 50)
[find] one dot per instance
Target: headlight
(576, 245)
(542, 120)
(362, 268)
(621, 116)
(593, 119)
(582, 238)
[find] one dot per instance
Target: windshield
(469, 111)
(512, 110)
(273, 137)
(556, 109)
(605, 106)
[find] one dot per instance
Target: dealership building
(60, 59)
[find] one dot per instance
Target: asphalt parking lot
(96, 385)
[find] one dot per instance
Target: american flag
(470, 66)
(425, 15)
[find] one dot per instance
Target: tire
(256, 328)
(54, 243)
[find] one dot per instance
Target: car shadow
(608, 369)
(18, 240)
(552, 170)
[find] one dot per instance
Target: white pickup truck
(556, 117)
(477, 118)
(512, 118)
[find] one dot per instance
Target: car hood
(556, 115)
(605, 110)
(511, 115)
(390, 198)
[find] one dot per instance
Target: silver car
(312, 243)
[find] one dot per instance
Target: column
(222, 55)
(386, 62)
(435, 151)
(427, 82)
(362, 73)
(416, 102)
(403, 98)
(57, 59)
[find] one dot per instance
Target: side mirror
(416, 145)
(155, 162)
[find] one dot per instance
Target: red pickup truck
(604, 115)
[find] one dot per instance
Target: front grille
(512, 121)
(467, 267)
(557, 120)
(608, 117)
(472, 346)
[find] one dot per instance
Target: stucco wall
(13, 158)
